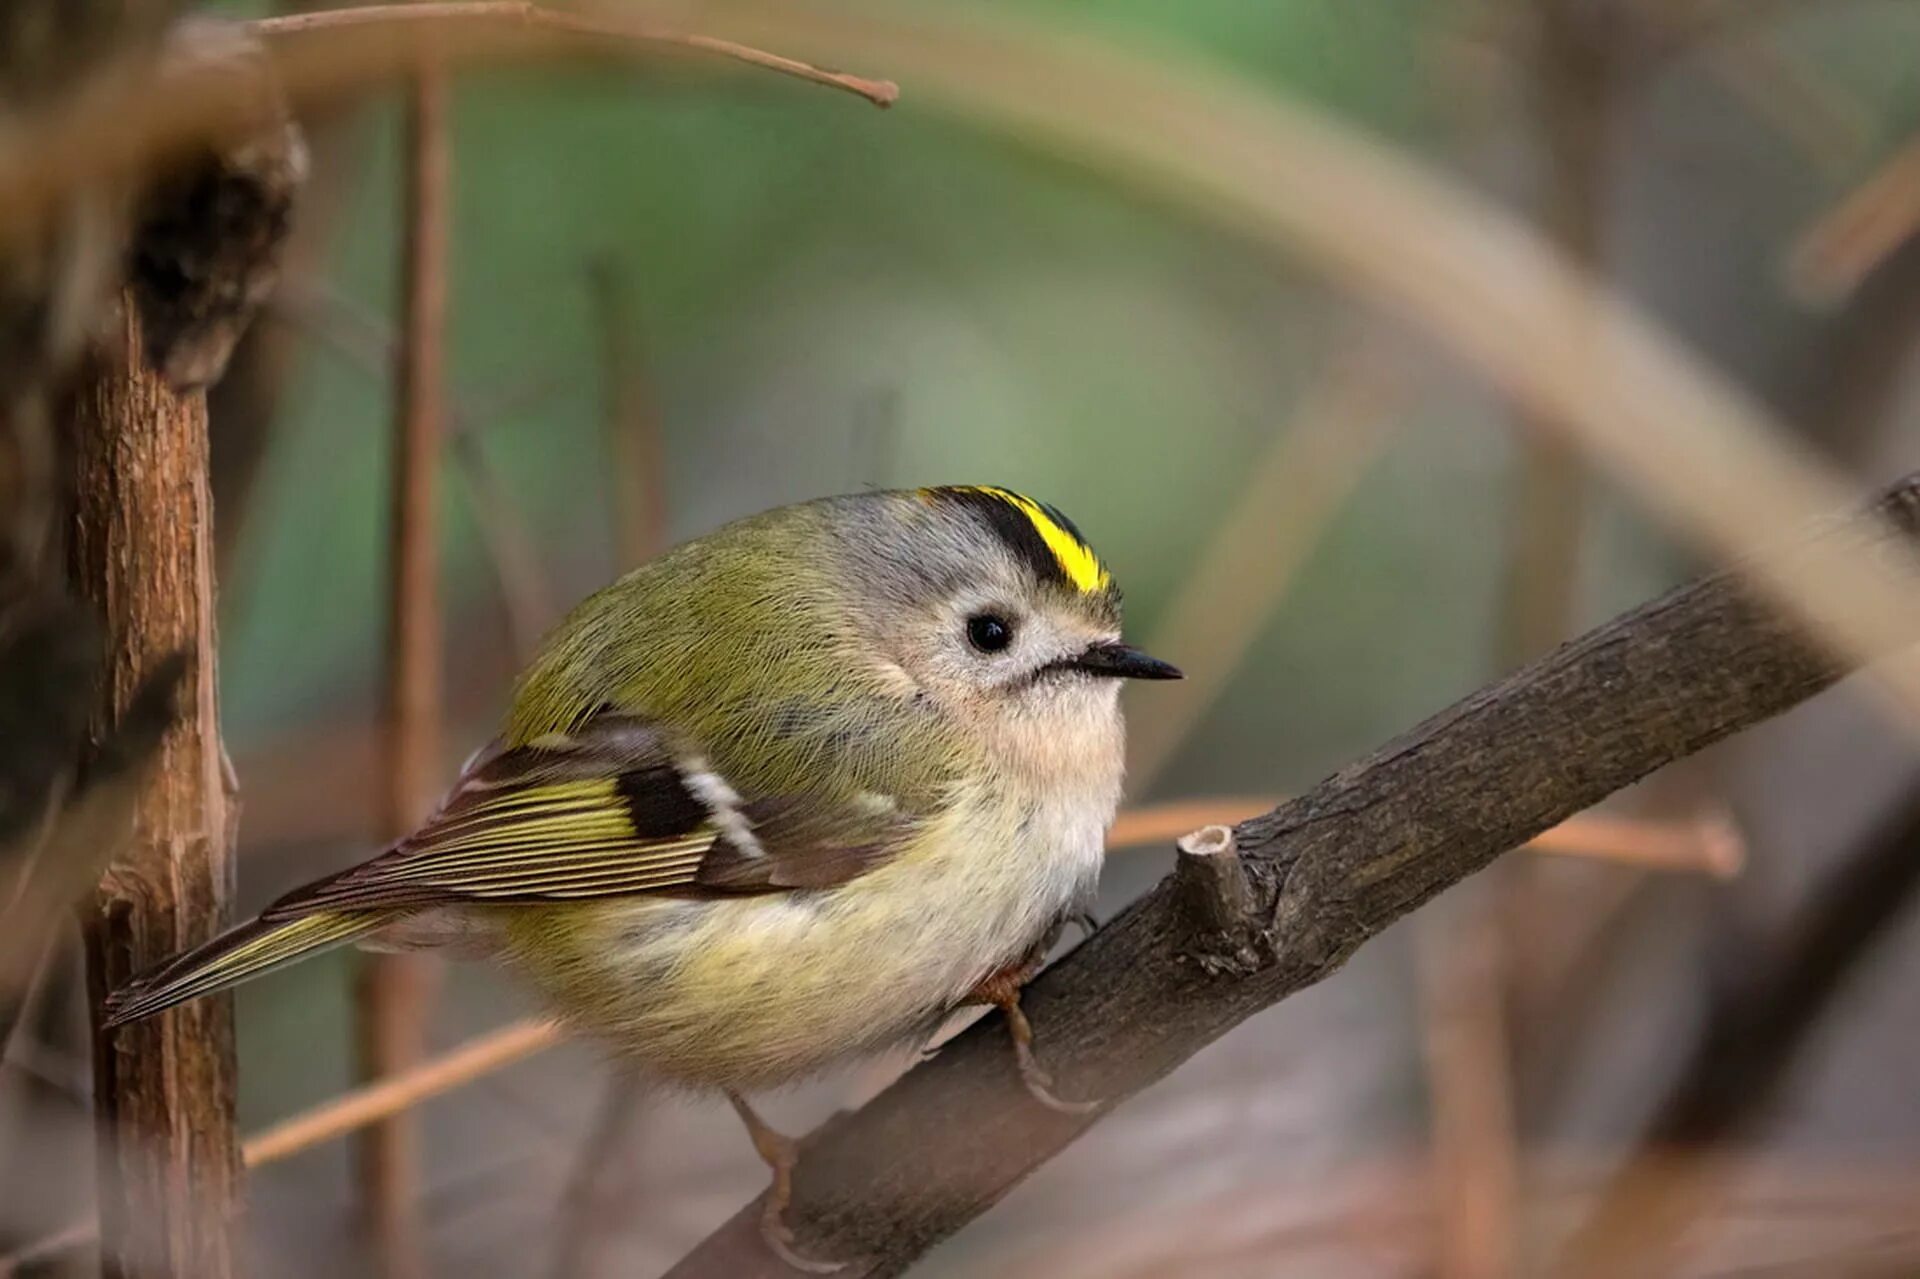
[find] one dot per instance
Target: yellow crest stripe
(1077, 560)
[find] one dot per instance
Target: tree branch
(1327, 871)
(142, 552)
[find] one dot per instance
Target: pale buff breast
(756, 991)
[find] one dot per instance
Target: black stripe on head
(1012, 526)
(658, 803)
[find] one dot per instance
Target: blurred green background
(830, 296)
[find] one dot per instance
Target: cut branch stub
(1218, 897)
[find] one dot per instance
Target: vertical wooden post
(396, 990)
(142, 553)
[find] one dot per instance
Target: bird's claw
(1039, 1083)
(779, 1241)
(1002, 990)
(780, 1153)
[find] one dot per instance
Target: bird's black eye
(989, 632)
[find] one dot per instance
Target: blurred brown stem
(1466, 947)
(396, 990)
(1575, 78)
(639, 501)
(1742, 1059)
(370, 344)
(1868, 226)
(380, 1099)
(632, 422)
(583, 1222)
(1829, 125)
(1299, 482)
(1462, 968)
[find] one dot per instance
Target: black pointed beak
(1122, 661)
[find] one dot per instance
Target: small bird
(788, 794)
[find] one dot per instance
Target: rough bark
(142, 555)
(1329, 870)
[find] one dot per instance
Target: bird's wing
(609, 809)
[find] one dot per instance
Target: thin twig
(396, 990)
(1576, 71)
(582, 1221)
(28, 1260)
(882, 93)
(383, 1098)
(367, 342)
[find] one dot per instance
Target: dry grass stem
(368, 1104)
(31, 1259)
(383, 1098)
(1298, 484)
(369, 344)
(1860, 232)
(1829, 126)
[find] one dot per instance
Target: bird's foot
(1002, 990)
(780, 1153)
